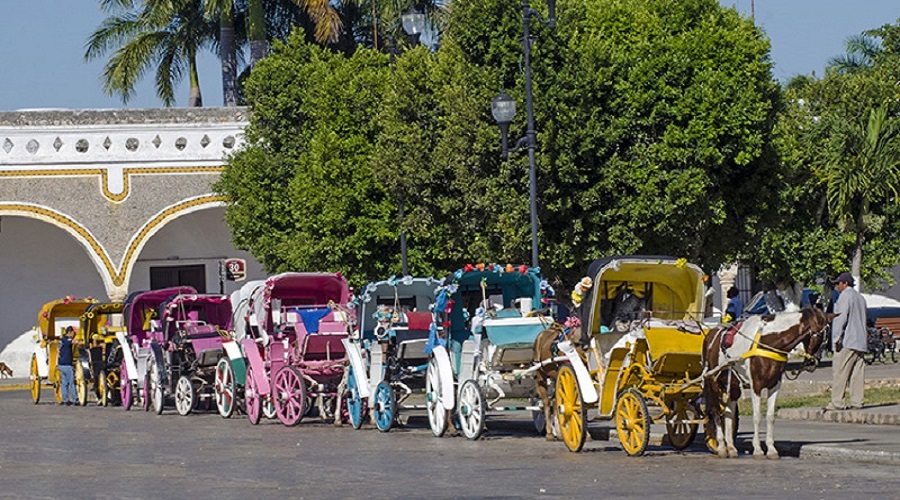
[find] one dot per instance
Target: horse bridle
(810, 361)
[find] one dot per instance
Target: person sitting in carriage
(735, 307)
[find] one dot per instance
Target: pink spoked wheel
(253, 404)
(290, 395)
(125, 387)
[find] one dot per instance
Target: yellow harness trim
(764, 352)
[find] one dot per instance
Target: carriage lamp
(413, 23)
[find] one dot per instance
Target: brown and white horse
(757, 357)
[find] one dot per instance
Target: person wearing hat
(848, 338)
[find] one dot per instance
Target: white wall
(40, 263)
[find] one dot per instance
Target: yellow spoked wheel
(57, 387)
(102, 393)
(81, 384)
(571, 412)
(633, 422)
(35, 380)
(681, 433)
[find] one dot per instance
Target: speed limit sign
(236, 269)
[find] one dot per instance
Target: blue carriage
(387, 359)
(485, 322)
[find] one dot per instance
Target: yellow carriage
(99, 324)
(53, 319)
(642, 322)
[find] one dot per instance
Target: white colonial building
(105, 202)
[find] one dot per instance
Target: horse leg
(712, 398)
(757, 416)
(545, 400)
(730, 423)
(772, 395)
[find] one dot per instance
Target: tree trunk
(856, 262)
(256, 21)
(228, 56)
(196, 99)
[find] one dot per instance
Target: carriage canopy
(664, 287)
(68, 307)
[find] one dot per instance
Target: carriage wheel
(35, 380)
(537, 417)
(252, 401)
(437, 414)
(633, 422)
(225, 388)
(145, 393)
(185, 396)
(354, 402)
(681, 434)
(82, 378)
(125, 387)
(712, 443)
(290, 395)
(102, 389)
(157, 396)
(471, 410)
(571, 412)
(57, 387)
(385, 406)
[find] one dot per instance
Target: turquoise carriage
(485, 322)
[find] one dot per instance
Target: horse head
(813, 326)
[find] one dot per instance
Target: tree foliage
(653, 121)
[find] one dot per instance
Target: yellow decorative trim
(118, 276)
(104, 175)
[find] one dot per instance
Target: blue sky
(42, 44)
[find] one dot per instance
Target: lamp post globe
(503, 107)
(413, 22)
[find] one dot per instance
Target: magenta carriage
(141, 343)
(194, 328)
(297, 357)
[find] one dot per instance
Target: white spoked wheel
(437, 414)
(225, 388)
(185, 396)
(471, 410)
(157, 397)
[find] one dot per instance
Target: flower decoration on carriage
(571, 323)
(480, 266)
(581, 288)
(681, 263)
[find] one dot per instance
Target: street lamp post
(413, 24)
(503, 109)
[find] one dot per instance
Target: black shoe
(61, 403)
(68, 403)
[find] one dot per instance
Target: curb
(871, 416)
(823, 451)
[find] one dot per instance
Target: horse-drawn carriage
(194, 328)
(296, 354)
(231, 371)
(642, 362)
(387, 359)
(99, 324)
(53, 318)
(142, 343)
(481, 345)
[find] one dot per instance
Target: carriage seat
(200, 331)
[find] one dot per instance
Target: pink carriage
(298, 354)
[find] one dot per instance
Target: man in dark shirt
(66, 370)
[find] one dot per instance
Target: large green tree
(652, 117)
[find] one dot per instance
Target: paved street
(49, 451)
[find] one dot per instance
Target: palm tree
(862, 50)
(224, 11)
(325, 17)
(167, 34)
(863, 169)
